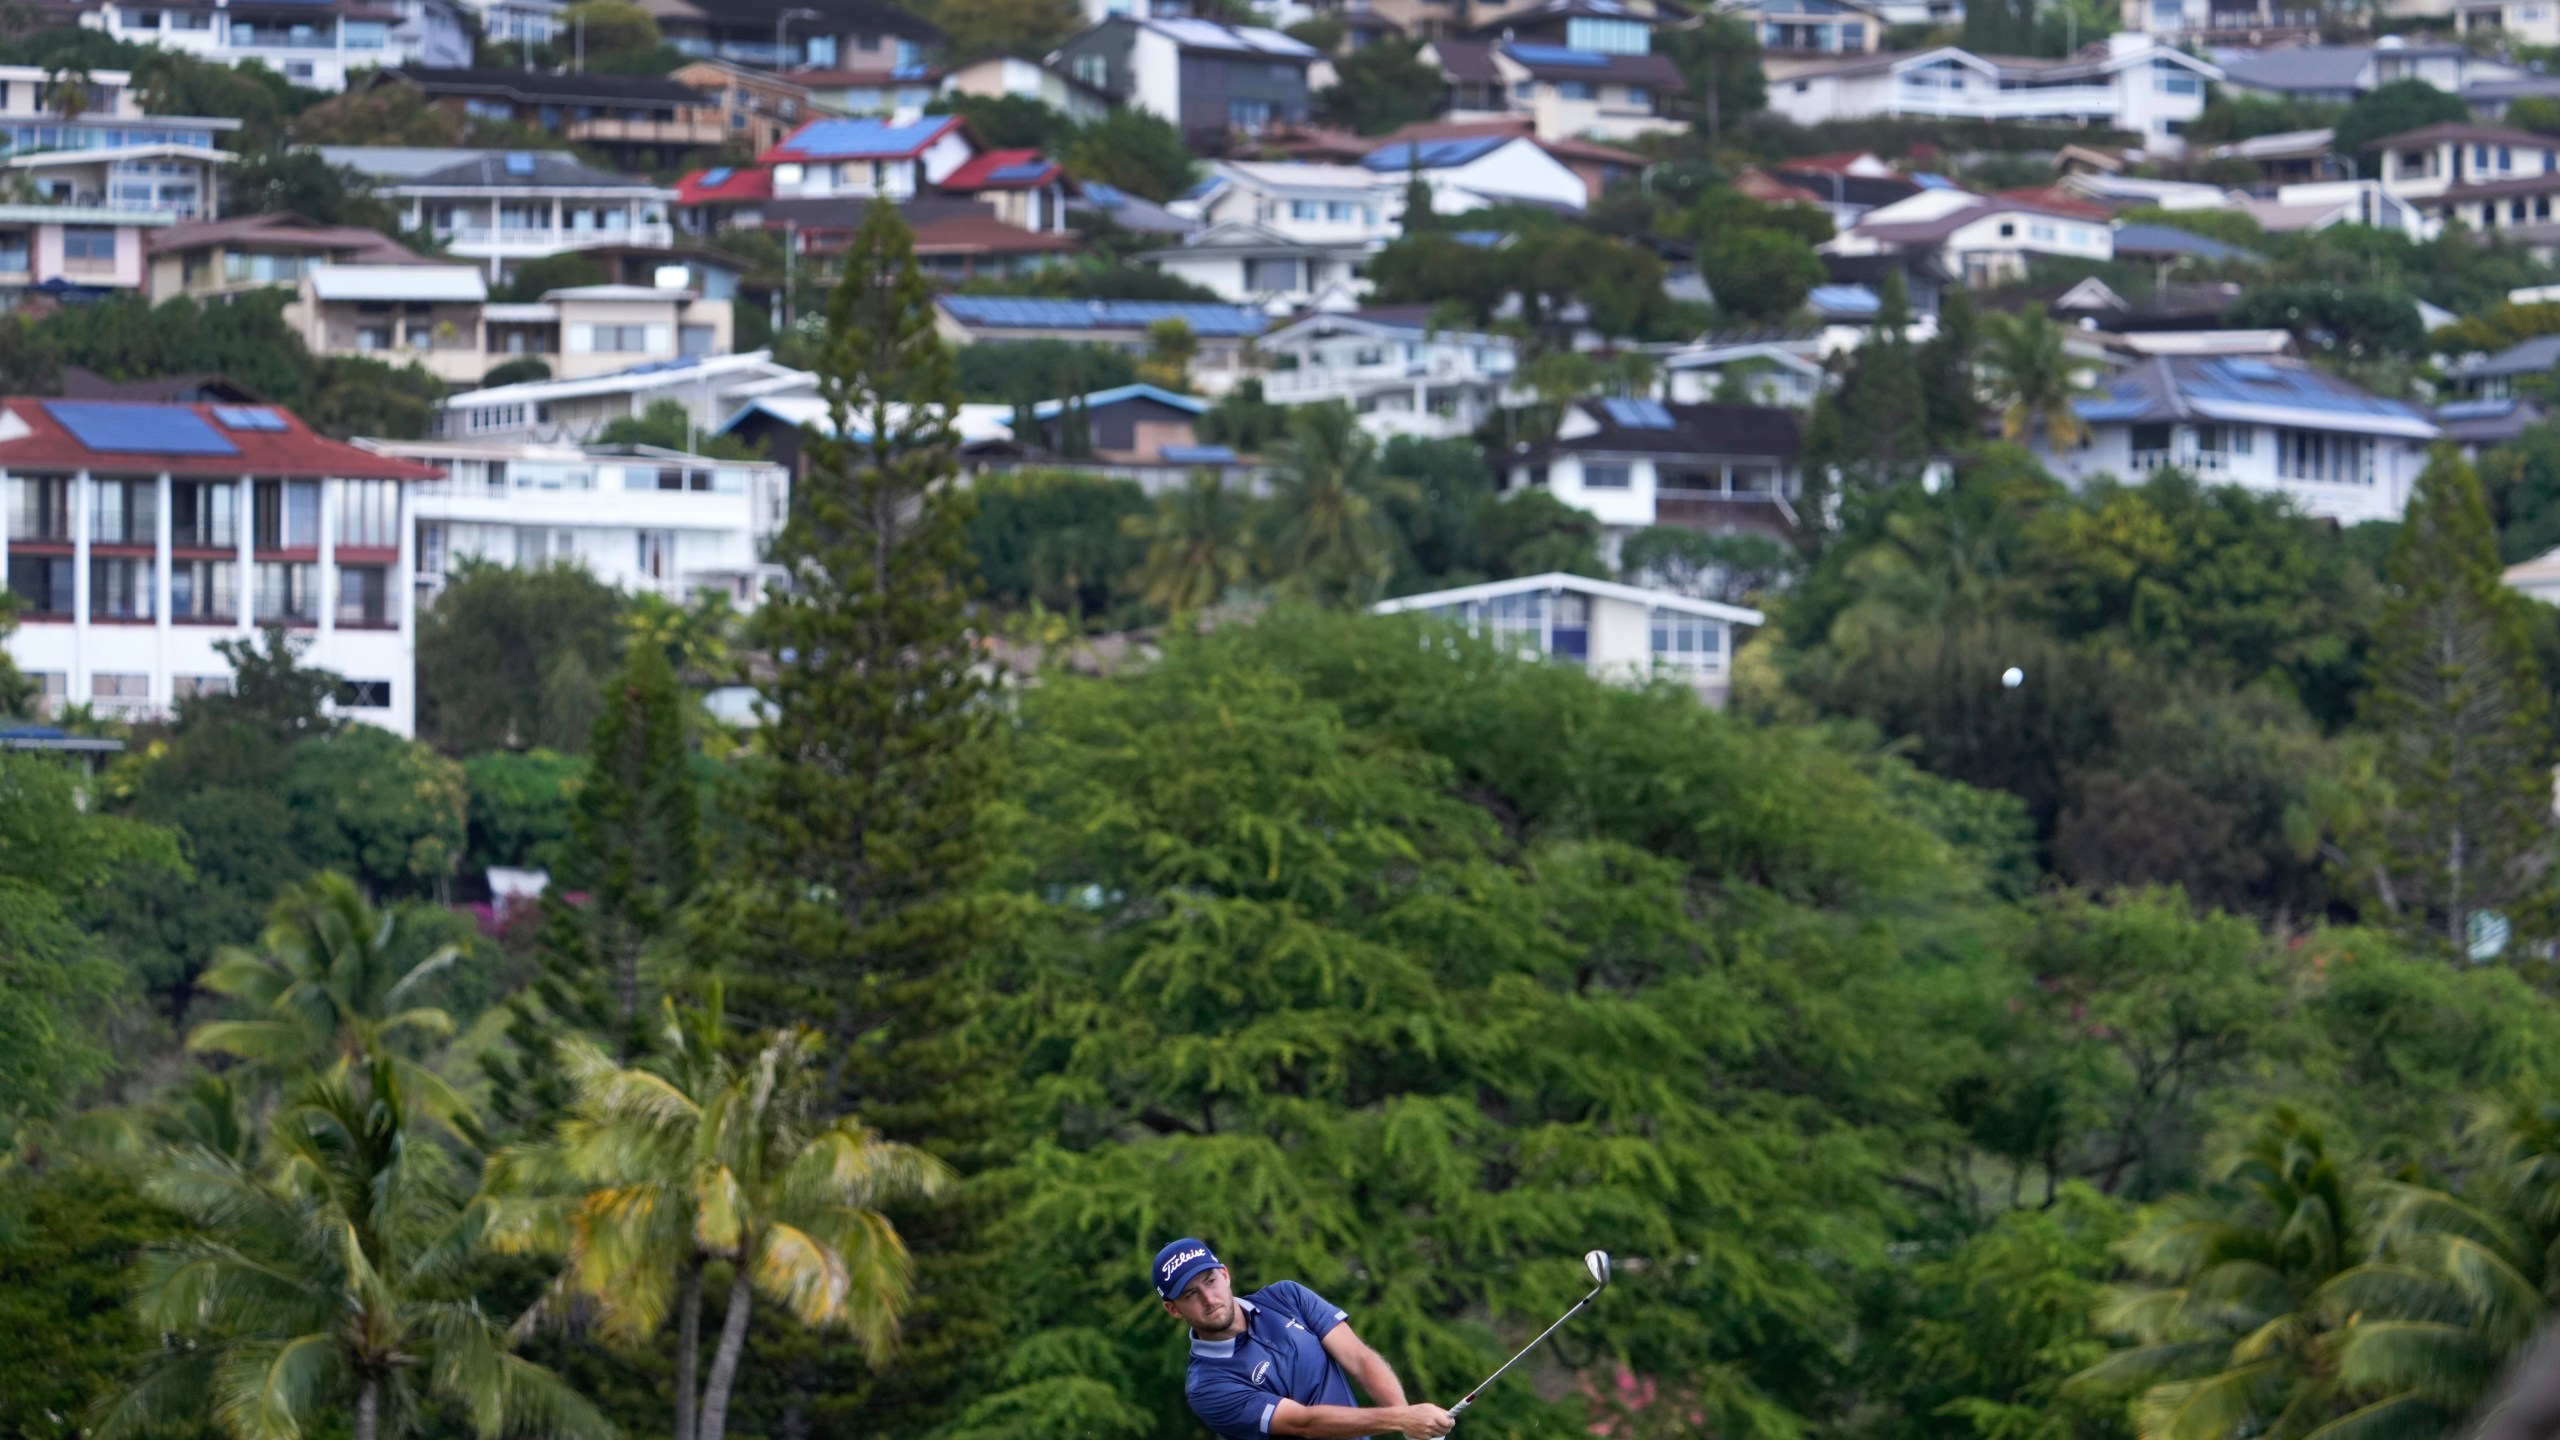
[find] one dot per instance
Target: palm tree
(1197, 545)
(2236, 1334)
(695, 1158)
(1331, 536)
(329, 1281)
(329, 985)
(2032, 378)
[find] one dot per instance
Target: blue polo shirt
(1235, 1385)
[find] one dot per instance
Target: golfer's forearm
(1377, 1379)
(1339, 1422)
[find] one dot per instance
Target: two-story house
(868, 157)
(84, 140)
(1562, 91)
(1395, 370)
(503, 207)
(641, 519)
(2129, 82)
(2489, 177)
(315, 44)
(52, 253)
(2337, 74)
(210, 259)
(138, 536)
(1261, 266)
(1623, 634)
(638, 119)
(1810, 27)
(2272, 425)
(1631, 464)
(1213, 81)
(1984, 239)
(440, 316)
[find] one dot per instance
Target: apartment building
(2130, 83)
(312, 43)
(137, 536)
(1397, 372)
(639, 518)
(638, 119)
(440, 316)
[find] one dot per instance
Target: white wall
(2396, 463)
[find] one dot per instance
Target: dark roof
(1938, 228)
(1554, 62)
(2185, 387)
(1729, 430)
(2489, 422)
(2536, 356)
(1466, 59)
(2170, 240)
(535, 170)
(368, 247)
(205, 443)
(81, 383)
(539, 89)
(841, 15)
(1567, 9)
(2463, 134)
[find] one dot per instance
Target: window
(367, 34)
(537, 546)
(263, 269)
(124, 512)
(2040, 231)
(431, 544)
(364, 694)
(656, 557)
(95, 244)
(42, 583)
(192, 687)
(1609, 37)
(369, 514)
(285, 592)
(2324, 458)
(1342, 210)
(1606, 477)
(1573, 89)
(1304, 210)
(620, 339)
(1261, 275)
(695, 341)
(1639, 98)
(120, 587)
(288, 515)
(2171, 79)
(39, 508)
(1249, 116)
(1520, 620)
(1092, 70)
(104, 686)
(364, 595)
(1853, 36)
(2168, 14)
(204, 590)
(1687, 642)
(1369, 355)
(1569, 632)
(2149, 439)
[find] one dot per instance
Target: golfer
(1279, 1362)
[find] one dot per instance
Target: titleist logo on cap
(1178, 1261)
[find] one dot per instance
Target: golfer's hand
(1427, 1420)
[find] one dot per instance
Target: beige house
(426, 313)
(757, 107)
(208, 259)
(599, 329)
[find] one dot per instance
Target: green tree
(335, 1283)
(1882, 400)
(539, 277)
(510, 657)
(66, 1254)
(2460, 706)
(2393, 109)
(610, 27)
(378, 115)
(1198, 545)
(866, 824)
(1759, 274)
(668, 425)
(1380, 87)
(299, 182)
(1328, 535)
(1004, 122)
(1041, 370)
(2031, 378)
(697, 1159)
(1732, 568)
(518, 371)
(978, 27)
(1132, 149)
(1058, 539)
(390, 812)
(519, 807)
(1719, 60)
(1242, 419)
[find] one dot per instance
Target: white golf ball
(2013, 677)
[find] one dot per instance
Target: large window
(288, 515)
(39, 508)
(120, 587)
(1609, 37)
(2324, 458)
(204, 513)
(364, 595)
(1606, 477)
(1518, 620)
(369, 514)
(1687, 642)
(124, 512)
(42, 583)
(286, 592)
(91, 244)
(1569, 632)
(204, 590)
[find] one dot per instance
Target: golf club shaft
(1461, 1406)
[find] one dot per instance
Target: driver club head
(1597, 1262)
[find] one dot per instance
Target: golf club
(1597, 1262)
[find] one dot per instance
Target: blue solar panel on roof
(857, 139)
(519, 163)
(714, 179)
(249, 417)
(1109, 197)
(1479, 239)
(1433, 154)
(1031, 170)
(138, 429)
(1637, 414)
(1557, 55)
(1012, 312)
(2250, 370)
(1198, 454)
(1928, 181)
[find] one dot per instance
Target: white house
(638, 518)
(1258, 265)
(1563, 91)
(138, 536)
(1985, 239)
(867, 157)
(2269, 424)
(1631, 464)
(1618, 633)
(2130, 82)
(503, 207)
(1785, 373)
(314, 45)
(709, 389)
(2337, 74)
(1316, 204)
(1400, 375)
(110, 155)
(1471, 172)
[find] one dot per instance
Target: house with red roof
(142, 535)
(867, 157)
(1022, 187)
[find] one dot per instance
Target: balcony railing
(1675, 506)
(709, 129)
(2194, 462)
(545, 240)
(1983, 104)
